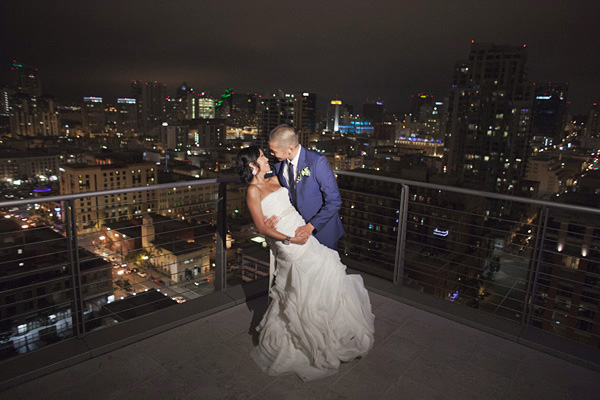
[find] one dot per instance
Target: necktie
(292, 182)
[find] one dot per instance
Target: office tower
(428, 117)
(242, 110)
(173, 137)
(489, 110)
(175, 110)
(373, 112)
(126, 116)
(93, 119)
(549, 114)
(26, 80)
(150, 99)
(4, 102)
(31, 114)
(183, 90)
(421, 106)
(208, 132)
(294, 109)
(206, 108)
(592, 129)
(200, 106)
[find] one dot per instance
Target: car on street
(159, 282)
(142, 274)
(179, 299)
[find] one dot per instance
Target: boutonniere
(304, 172)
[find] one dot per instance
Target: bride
(318, 316)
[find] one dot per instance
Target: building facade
(490, 109)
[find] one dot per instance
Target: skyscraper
(150, 98)
(421, 105)
(294, 109)
(31, 114)
(373, 112)
(127, 115)
(549, 114)
(490, 104)
(92, 114)
(26, 80)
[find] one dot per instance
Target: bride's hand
(271, 222)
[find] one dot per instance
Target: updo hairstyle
(244, 158)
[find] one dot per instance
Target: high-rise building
(200, 106)
(592, 129)
(4, 102)
(31, 114)
(126, 116)
(93, 119)
(421, 105)
(150, 99)
(549, 114)
(242, 110)
(26, 80)
(373, 112)
(490, 104)
(173, 137)
(295, 109)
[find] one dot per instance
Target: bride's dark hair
(244, 158)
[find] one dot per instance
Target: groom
(311, 184)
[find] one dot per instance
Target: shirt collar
(297, 158)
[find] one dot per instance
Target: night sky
(350, 49)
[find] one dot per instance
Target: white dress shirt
(295, 163)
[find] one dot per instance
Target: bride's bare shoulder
(253, 192)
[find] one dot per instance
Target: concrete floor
(417, 355)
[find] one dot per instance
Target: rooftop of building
(416, 355)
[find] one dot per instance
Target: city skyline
(349, 51)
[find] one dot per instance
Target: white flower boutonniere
(304, 172)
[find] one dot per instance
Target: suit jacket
(317, 196)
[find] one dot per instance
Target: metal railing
(530, 261)
(75, 263)
(63, 272)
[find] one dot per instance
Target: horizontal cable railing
(75, 263)
(487, 251)
(91, 260)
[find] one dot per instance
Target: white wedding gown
(318, 315)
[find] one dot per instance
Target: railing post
(73, 247)
(538, 252)
(401, 237)
(221, 250)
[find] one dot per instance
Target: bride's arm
(253, 202)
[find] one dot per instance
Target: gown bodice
(278, 203)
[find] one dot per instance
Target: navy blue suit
(318, 196)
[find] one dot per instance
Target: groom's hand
(272, 221)
(305, 230)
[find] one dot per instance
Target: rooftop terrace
(417, 355)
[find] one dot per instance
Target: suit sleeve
(332, 200)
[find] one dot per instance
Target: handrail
(472, 192)
(12, 203)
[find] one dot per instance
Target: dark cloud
(348, 49)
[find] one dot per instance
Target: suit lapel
(301, 165)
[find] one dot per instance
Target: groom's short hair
(284, 135)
